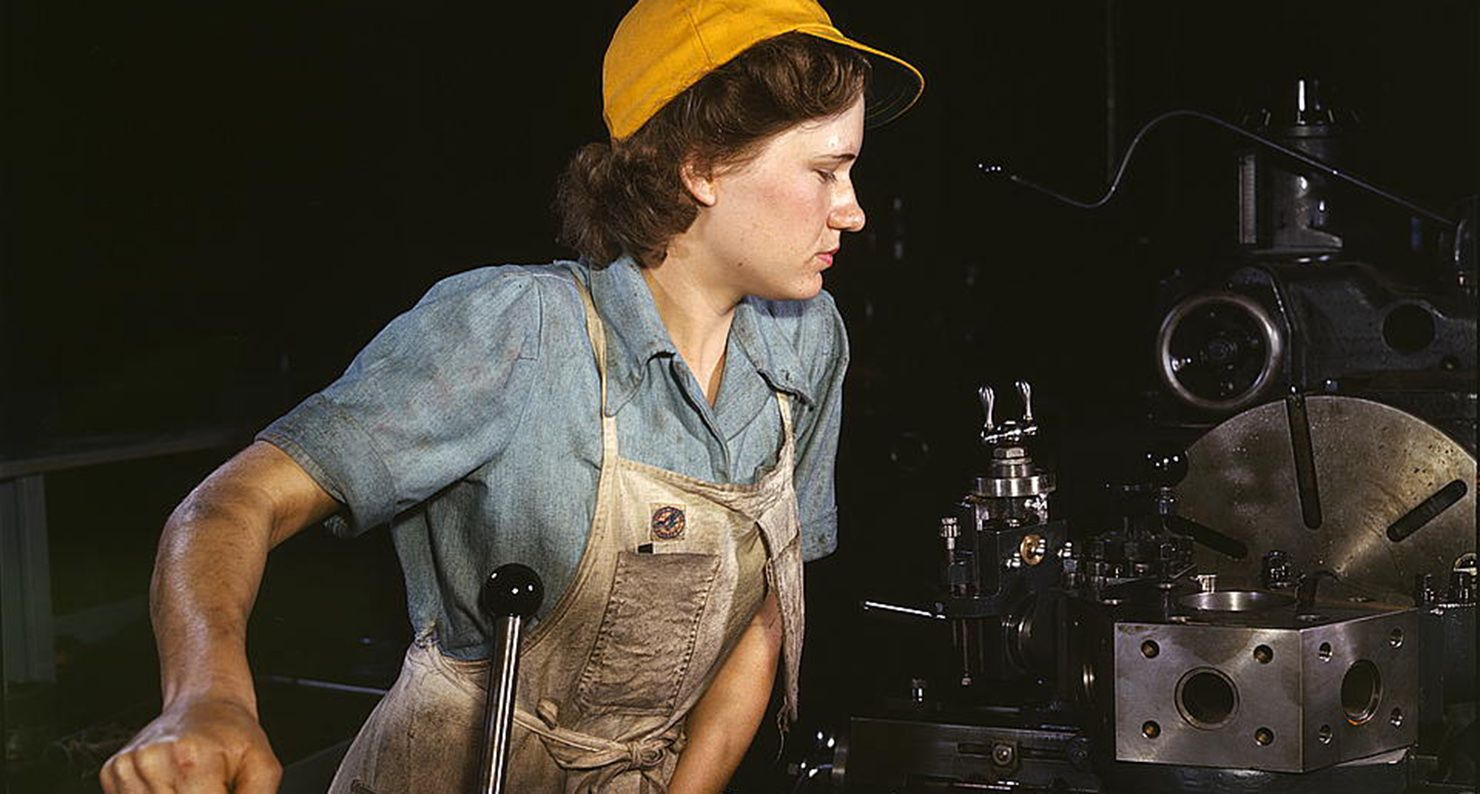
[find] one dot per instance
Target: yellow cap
(664, 46)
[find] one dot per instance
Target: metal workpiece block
(1281, 698)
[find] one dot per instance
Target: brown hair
(628, 197)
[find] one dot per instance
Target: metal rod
(510, 594)
(312, 683)
(918, 613)
(498, 712)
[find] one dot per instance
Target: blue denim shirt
(470, 424)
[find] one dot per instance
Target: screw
(1003, 754)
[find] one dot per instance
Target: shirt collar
(635, 334)
(754, 333)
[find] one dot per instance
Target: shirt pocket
(645, 645)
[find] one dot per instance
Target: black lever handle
(510, 595)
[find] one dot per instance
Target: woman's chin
(802, 290)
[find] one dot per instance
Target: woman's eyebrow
(840, 157)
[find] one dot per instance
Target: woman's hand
(724, 720)
(196, 746)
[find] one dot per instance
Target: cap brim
(894, 85)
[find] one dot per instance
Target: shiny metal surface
(498, 714)
(1011, 431)
(1266, 693)
(1365, 468)
(1013, 487)
(1184, 359)
(1236, 600)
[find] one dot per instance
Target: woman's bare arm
(723, 722)
(209, 565)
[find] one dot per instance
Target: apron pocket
(645, 645)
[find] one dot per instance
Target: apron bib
(674, 568)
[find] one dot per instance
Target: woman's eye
(827, 176)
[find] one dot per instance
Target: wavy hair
(628, 196)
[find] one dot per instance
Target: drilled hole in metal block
(1324, 652)
(1324, 734)
(1361, 691)
(1264, 654)
(1264, 737)
(1150, 649)
(1206, 697)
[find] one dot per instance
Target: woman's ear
(699, 183)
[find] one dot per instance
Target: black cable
(1125, 159)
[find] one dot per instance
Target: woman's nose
(848, 215)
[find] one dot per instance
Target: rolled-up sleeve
(824, 345)
(436, 394)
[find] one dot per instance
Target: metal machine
(1214, 636)
(1284, 602)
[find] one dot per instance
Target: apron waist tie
(598, 760)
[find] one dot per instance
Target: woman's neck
(697, 318)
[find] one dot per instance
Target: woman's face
(771, 226)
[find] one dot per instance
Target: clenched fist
(197, 746)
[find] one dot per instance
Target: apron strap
(783, 401)
(595, 760)
(597, 332)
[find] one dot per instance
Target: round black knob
(512, 589)
(1165, 465)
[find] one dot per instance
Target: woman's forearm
(723, 722)
(210, 562)
(209, 566)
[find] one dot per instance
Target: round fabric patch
(668, 522)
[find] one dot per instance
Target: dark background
(210, 208)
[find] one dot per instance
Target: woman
(652, 428)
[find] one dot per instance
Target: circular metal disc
(1368, 465)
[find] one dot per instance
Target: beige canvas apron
(673, 570)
